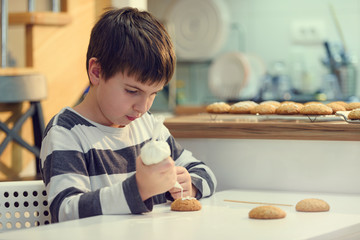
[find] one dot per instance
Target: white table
(217, 220)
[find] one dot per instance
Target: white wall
(285, 165)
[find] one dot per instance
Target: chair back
(23, 204)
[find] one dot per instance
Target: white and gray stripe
(88, 169)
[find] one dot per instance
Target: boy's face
(122, 99)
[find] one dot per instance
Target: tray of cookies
(282, 111)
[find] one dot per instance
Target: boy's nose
(142, 106)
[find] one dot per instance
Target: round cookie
(353, 105)
(312, 205)
(185, 204)
(316, 109)
(342, 103)
(336, 107)
(289, 108)
(312, 102)
(274, 103)
(218, 107)
(354, 114)
(263, 109)
(243, 107)
(267, 212)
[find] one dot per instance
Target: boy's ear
(94, 71)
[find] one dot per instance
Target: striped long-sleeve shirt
(89, 169)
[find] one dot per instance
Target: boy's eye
(131, 91)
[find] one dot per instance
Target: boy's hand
(183, 177)
(156, 178)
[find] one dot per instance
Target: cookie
(185, 204)
(312, 102)
(312, 205)
(336, 107)
(218, 107)
(342, 103)
(289, 108)
(316, 109)
(353, 105)
(354, 114)
(267, 212)
(263, 109)
(243, 107)
(274, 103)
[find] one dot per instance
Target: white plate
(257, 71)
(200, 28)
(228, 75)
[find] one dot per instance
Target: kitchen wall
(270, 29)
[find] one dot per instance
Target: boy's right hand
(156, 178)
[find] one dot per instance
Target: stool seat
(24, 86)
(18, 85)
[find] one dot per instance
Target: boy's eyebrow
(129, 85)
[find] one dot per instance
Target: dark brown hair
(134, 42)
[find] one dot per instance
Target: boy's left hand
(183, 177)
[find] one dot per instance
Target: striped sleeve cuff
(133, 197)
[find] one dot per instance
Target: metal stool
(17, 88)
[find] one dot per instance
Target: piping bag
(156, 151)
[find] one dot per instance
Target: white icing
(154, 152)
(177, 185)
(187, 198)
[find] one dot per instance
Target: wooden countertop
(263, 127)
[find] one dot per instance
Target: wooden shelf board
(39, 18)
(17, 71)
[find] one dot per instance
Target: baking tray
(258, 118)
(344, 115)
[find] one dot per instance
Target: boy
(90, 154)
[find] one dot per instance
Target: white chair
(23, 204)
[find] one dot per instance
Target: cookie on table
(267, 212)
(353, 105)
(218, 107)
(264, 109)
(354, 114)
(289, 108)
(185, 204)
(312, 205)
(336, 107)
(242, 107)
(316, 108)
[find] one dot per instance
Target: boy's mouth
(131, 118)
